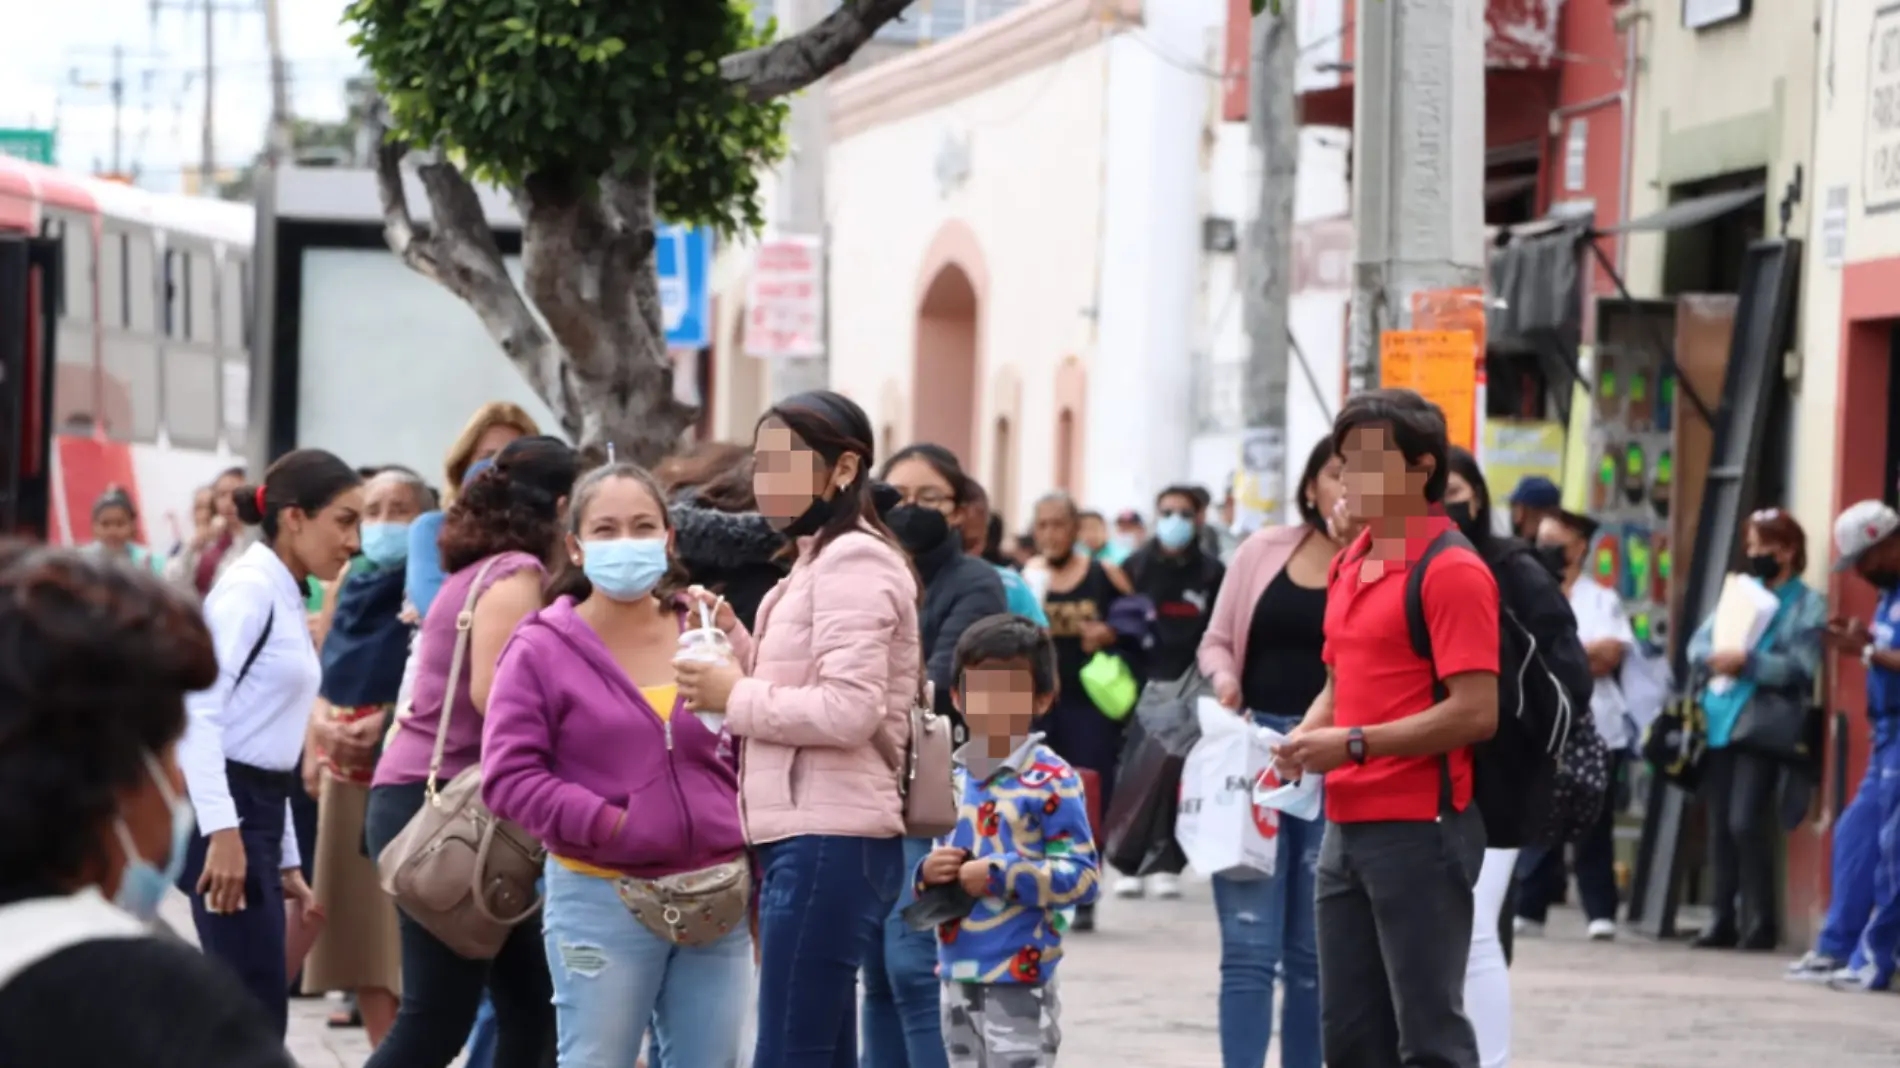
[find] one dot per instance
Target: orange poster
(1441, 366)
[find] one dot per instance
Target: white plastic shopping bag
(1219, 827)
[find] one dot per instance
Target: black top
(1183, 587)
(959, 589)
(1067, 612)
(1282, 672)
(144, 1002)
(735, 554)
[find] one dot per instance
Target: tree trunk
(600, 362)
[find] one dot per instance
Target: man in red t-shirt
(1393, 735)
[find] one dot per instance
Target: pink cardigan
(1261, 557)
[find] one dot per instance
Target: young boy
(1021, 847)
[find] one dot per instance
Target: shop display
(1632, 465)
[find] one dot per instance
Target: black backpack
(1543, 777)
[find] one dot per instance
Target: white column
(1418, 162)
(1140, 393)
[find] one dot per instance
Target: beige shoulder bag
(465, 876)
(924, 778)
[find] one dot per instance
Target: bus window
(231, 306)
(112, 279)
(141, 284)
(175, 283)
(77, 270)
(201, 323)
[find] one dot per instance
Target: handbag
(464, 875)
(1774, 724)
(926, 784)
(693, 908)
(1676, 743)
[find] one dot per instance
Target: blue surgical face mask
(625, 569)
(386, 544)
(1174, 532)
(142, 884)
(474, 469)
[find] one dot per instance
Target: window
(141, 284)
(111, 276)
(77, 269)
(201, 311)
(131, 382)
(176, 282)
(233, 332)
(1002, 493)
(192, 381)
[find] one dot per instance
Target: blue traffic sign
(684, 258)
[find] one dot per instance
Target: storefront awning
(1691, 212)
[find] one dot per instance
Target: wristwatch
(1356, 746)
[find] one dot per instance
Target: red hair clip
(260, 500)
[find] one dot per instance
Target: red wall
(1589, 79)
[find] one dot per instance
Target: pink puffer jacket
(836, 663)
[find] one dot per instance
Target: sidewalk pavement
(1142, 991)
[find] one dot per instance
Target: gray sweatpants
(1001, 1025)
(1394, 918)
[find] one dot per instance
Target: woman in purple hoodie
(588, 746)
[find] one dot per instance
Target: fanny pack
(693, 908)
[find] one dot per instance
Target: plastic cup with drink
(706, 644)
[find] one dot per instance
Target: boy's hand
(943, 864)
(975, 877)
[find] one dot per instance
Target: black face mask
(1882, 580)
(1460, 514)
(1554, 558)
(812, 519)
(921, 530)
(1763, 566)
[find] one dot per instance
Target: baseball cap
(1536, 491)
(1862, 526)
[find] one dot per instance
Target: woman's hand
(1097, 637)
(297, 891)
(943, 865)
(312, 774)
(409, 615)
(1729, 663)
(1227, 692)
(723, 616)
(1848, 634)
(222, 882)
(706, 687)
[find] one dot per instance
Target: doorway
(944, 395)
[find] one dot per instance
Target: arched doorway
(1065, 450)
(1002, 487)
(944, 394)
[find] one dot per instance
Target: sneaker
(1862, 980)
(1164, 886)
(1129, 886)
(1814, 967)
(1602, 930)
(1524, 928)
(1084, 919)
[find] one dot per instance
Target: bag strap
(464, 624)
(256, 648)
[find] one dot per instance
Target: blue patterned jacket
(1028, 818)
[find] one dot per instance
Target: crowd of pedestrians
(688, 716)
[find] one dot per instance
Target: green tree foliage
(585, 88)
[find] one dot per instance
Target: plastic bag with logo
(1220, 827)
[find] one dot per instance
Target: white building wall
(1032, 196)
(1141, 382)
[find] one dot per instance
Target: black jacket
(730, 553)
(958, 590)
(1183, 589)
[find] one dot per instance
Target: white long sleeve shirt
(260, 722)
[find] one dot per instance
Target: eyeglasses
(928, 498)
(1765, 515)
(1175, 513)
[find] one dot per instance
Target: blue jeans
(612, 977)
(1267, 927)
(903, 1011)
(1863, 919)
(481, 1038)
(822, 900)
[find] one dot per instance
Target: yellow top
(662, 698)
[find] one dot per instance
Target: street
(1142, 992)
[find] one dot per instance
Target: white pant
(1487, 980)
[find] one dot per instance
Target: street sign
(785, 302)
(684, 258)
(34, 146)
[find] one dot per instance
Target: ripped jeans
(1267, 929)
(612, 976)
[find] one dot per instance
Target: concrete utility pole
(1418, 163)
(208, 165)
(1266, 270)
(801, 193)
(277, 139)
